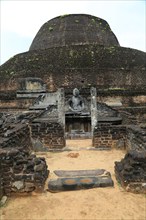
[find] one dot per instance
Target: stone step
(80, 179)
(76, 173)
(77, 183)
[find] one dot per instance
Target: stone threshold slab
(77, 183)
(76, 173)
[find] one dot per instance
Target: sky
(21, 20)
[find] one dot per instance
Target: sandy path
(92, 204)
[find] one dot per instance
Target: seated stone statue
(76, 103)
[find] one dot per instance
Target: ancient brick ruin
(21, 171)
(131, 171)
(72, 85)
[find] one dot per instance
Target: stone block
(18, 185)
(76, 183)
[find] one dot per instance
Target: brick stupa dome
(74, 29)
(77, 51)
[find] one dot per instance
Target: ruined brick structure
(51, 135)
(131, 171)
(109, 136)
(76, 51)
(20, 170)
(68, 52)
(120, 136)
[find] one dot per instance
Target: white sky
(21, 20)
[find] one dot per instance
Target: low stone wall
(21, 171)
(47, 135)
(107, 136)
(121, 136)
(131, 171)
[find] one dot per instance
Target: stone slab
(73, 173)
(77, 183)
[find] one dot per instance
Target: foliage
(50, 28)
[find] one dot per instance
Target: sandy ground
(111, 203)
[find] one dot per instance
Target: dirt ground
(111, 203)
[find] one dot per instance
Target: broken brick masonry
(131, 171)
(20, 170)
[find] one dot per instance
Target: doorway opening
(78, 127)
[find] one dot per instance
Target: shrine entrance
(78, 126)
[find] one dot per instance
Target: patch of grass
(119, 184)
(93, 20)
(50, 28)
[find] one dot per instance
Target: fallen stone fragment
(3, 200)
(18, 185)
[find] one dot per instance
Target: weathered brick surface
(131, 171)
(136, 138)
(81, 66)
(16, 136)
(50, 134)
(107, 136)
(74, 29)
(21, 171)
(130, 137)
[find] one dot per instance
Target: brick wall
(136, 138)
(107, 136)
(50, 134)
(121, 136)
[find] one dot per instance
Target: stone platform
(80, 179)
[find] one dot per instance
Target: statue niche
(77, 116)
(76, 103)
